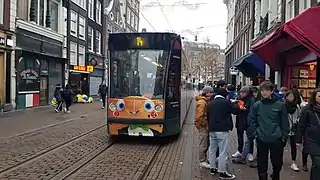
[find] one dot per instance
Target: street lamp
(107, 11)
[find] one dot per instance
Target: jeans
(276, 156)
(103, 98)
(203, 145)
(248, 148)
(315, 168)
(68, 104)
(219, 140)
(304, 157)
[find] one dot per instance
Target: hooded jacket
(201, 121)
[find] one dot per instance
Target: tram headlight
(112, 107)
(149, 106)
(120, 105)
(158, 108)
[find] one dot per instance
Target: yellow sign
(139, 41)
(89, 68)
(311, 67)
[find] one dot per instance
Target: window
(90, 9)
(98, 12)
(73, 53)
(81, 3)
(290, 10)
(82, 51)
(74, 23)
(82, 25)
(1, 11)
(22, 13)
(54, 15)
(98, 42)
(90, 39)
(28, 70)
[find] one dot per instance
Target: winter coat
(269, 120)
(219, 114)
(201, 121)
(58, 94)
(241, 119)
(309, 130)
(293, 121)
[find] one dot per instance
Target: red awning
(304, 29)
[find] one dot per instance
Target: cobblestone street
(76, 146)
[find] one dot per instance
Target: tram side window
(173, 80)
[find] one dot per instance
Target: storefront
(251, 66)
(293, 50)
(40, 67)
(78, 78)
(6, 48)
(96, 77)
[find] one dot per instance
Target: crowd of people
(269, 118)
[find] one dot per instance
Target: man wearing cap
(201, 124)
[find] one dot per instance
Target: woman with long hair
(308, 129)
(293, 110)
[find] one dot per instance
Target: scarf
(291, 107)
(316, 108)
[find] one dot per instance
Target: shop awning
(250, 65)
(304, 30)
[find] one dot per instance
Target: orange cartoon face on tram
(135, 107)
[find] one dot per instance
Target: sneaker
(69, 112)
(204, 165)
(213, 171)
(305, 168)
(57, 111)
(226, 175)
(250, 157)
(239, 161)
(102, 107)
(64, 109)
(294, 167)
(236, 155)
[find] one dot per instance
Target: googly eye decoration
(120, 105)
(149, 106)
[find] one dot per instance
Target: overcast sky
(208, 20)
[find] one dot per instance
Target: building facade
(95, 53)
(39, 60)
(7, 45)
(292, 61)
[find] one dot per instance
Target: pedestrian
(308, 129)
(58, 95)
(201, 124)
(103, 94)
(220, 124)
(293, 110)
(270, 125)
(241, 122)
(68, 95)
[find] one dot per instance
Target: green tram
(148, 94)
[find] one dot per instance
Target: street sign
(89, 68)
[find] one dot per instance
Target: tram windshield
(138, 73)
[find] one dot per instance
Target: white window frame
(82, 24)
(74, 30)
(90, 48)
(74, 49)
(98, 38)
(82, 55)
(98, 13)
(1, 11)
(91, 9)
(81, 3)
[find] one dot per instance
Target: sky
(208, 20)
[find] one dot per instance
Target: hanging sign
(83, 68)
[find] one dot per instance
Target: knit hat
(207, 89)
(245, 89)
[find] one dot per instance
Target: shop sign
(29, 74)
(83, 68)
(6, 42)
(2, 41)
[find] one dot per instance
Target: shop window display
(304, 77)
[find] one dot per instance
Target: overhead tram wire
(164, 15)
(147, 21)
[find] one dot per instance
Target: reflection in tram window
(138, 73)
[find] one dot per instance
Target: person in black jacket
(220, 123)
(241, 120)
(67, 97)
(308, 128)
(103, 90)
(58, 95)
